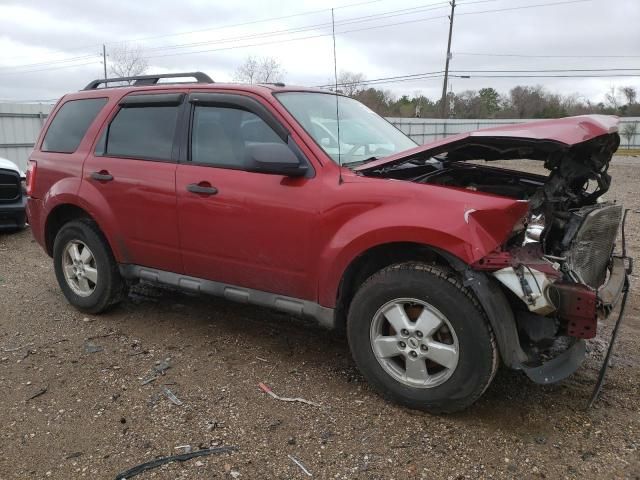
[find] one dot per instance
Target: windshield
(364, 135)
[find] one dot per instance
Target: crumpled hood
(530, 140)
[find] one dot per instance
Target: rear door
(238, 227)
(132, 169)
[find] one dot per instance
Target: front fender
(466, 229)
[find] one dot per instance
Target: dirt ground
(73, 403)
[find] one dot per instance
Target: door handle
(202, 188)
(102, 176)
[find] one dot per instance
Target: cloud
(42, 31)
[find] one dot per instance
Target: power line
(223, 27)
(252, 22)
(612, 75)
(353, 20)
(369, 28)
(48, 68)
(365, 18)
(521, 55)
(552, 70)
(568, 73)
(297, 39)
(51, 62)
(522, 7)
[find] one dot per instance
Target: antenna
(335, 77)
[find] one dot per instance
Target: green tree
(489, 100)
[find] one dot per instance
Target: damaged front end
(557, 268)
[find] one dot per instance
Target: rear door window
(68, 127)
(142, 132)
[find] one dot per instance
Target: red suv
(302, 200)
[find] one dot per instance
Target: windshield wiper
(360, 162)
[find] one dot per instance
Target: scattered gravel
(74, 404)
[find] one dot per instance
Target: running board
(323, 315)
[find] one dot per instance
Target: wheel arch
(375, 259)
(62, 214)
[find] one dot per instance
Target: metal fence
(424, 130)
(20, 125)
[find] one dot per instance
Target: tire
(444, 324)
(108, 287)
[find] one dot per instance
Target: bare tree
(350, 83)
(127, 61)
(259, 70)
(630, 94)
(611, 98)
(629, 132)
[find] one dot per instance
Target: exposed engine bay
(557, 258)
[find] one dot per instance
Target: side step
(323, 315)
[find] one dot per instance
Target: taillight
(30, 178)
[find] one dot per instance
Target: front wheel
(85, 268)
(421, 339)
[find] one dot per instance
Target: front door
(238, 227)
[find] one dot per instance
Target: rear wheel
(420, 338)
(85, 268)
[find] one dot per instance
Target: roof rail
(148, 79)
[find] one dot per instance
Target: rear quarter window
(68, 127)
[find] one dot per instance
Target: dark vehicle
(12, 197)
(438, 268)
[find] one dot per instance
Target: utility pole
(443, 100)
(104, 60)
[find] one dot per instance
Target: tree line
(520, 102)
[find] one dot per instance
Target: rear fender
(72, 191)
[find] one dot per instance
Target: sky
(51, 47)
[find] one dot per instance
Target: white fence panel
(20, 125)
(425, 130)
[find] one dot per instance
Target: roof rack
(148, 79)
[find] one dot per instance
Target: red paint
(292, 236)
(564, 132)
(578, 308)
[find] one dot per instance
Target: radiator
(590, 249)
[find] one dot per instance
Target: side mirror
(274, 158)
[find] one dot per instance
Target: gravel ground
(73, 403)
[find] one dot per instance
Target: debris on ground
(42, 391)
(8, 350)
(170, 395)
(91, 347)
(132, 472)
(184, 448)
(160, 368)
(266, 389)
(299, 464)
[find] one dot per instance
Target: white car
(12, 196)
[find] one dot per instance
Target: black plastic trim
(240, 102)
(152, 100)
(149, 79)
